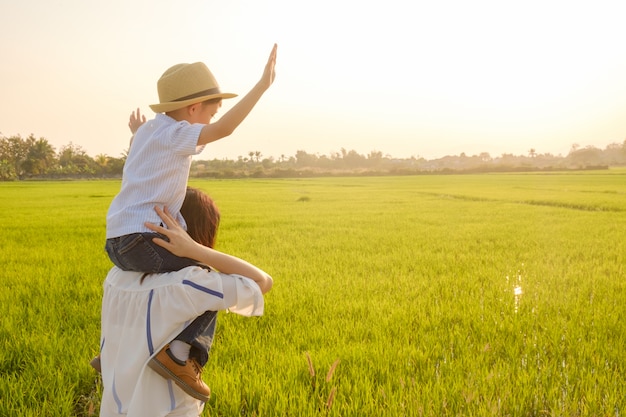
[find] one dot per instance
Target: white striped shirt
(138, 319)
(155, 173)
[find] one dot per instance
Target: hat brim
(175, 105)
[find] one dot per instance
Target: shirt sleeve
(212, 290)
(184, 138)
(243, 296)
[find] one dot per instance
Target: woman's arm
(181, 244)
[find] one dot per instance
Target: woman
(141, 313)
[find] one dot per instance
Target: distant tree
(508, 160)
(124, 153)
(115, 166)
(485, 157)
(268, 162)
(614, 154)
(102, 161)
(304, 159)
(325, 162)
(532, 153)
(354, 160)
(589, 156)
(374, 159)
(13, 154)
(6, 170)
(41, 157)
(74, 160)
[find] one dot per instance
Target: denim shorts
(137, 252)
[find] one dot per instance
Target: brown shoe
(95, 364)
(187, 375)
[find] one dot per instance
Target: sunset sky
(407, 78)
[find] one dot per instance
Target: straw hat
(186, 84)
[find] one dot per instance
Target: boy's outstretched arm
(233, 118)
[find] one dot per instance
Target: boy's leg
(137, 252)
(199, 334)
(186, 372)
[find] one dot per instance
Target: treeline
(27, 158)
(35, 158)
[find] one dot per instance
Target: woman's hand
(180, 243)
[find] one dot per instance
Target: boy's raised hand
(233, 117)
(269, 73)
(136, 119)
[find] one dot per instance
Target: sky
(405, 78)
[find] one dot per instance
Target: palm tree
(46, 152)
(41, 156)
(102, 160)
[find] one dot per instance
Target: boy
(156, 173)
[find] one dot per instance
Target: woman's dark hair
(202, 217)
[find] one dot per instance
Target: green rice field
(433, 295)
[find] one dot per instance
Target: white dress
(138, 319)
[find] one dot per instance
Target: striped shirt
(155, 173)
(138, 319)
